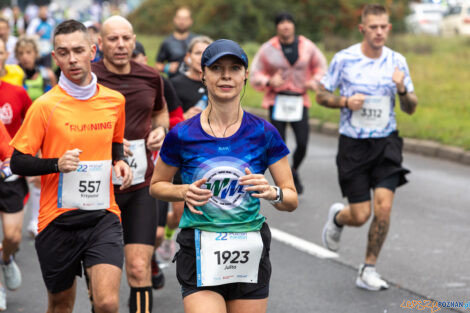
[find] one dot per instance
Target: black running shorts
(12, 195)
(186, 270)
(75, 241)
(139, 216)
(364, 163)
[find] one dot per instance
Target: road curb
(424, 147)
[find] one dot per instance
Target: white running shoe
(331, 233)
(167, 250)
(369, 279)
(12, 275)
(3, 299)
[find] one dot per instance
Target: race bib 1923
(374, 114)
(224, 258)
(137, 162)
(87, 188)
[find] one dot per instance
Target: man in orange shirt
(79, 127)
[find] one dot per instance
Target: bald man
(146, 126)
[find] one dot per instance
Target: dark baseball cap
(221, 48)
(139, 49)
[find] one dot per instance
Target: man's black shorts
(12, 195)
(139, 216)
(186, 270)
(364, 163)
(75, 240)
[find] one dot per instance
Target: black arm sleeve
(171, 97)
(162, 54)
(118, 152)
(28, 165)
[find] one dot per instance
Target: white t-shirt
(352, 72)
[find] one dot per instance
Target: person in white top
(369, 151)
(17, 22)
(42, 27)
(9, 40)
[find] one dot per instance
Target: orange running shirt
(5, 149)
(57, 122)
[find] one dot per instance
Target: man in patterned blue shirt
(368, 75)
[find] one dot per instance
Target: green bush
(438, 73)
(247, 20)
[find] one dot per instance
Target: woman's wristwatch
(279, 195)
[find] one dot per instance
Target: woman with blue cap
(223, 263)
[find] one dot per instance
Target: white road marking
(302, 244)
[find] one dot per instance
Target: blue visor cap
(221, 48)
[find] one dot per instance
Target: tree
(246, 20)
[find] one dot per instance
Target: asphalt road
(426, 255)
